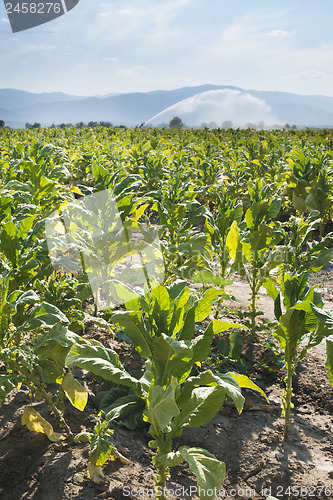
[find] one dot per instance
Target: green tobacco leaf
(274, 293)
(25, 298)
(219, 326)
(177, 289)
(295, 288)
(204, 305)
(236, 342)
(10, 243)
(7, 384)
(325, 317)
(318, 260)
(299, 203)
(200, 408)
(162, 310)
(171, 459)
(329, 361)
(74, 391)
(101, 449)
(134, 330)
(44, 315)
(208, 378)
(171, 357)
(103, 362)
(126, 411)
(209, 472)
(162, 408)
(201, 344)
(291, 330)
(206, 276)
(52, 349)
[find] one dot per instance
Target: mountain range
(18, 107)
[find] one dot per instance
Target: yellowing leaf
(233, 240)
(35, 422)
(74, 391)
(76, 190)
(244, 382)
(95, 473)
(139, 212)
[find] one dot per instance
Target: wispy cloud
(277, 33)
(126, 45)
(130, 72)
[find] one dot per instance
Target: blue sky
(142, 45)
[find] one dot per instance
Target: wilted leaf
(95, 473)
(35, 422)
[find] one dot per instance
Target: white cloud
(130, 72)
(127, 12)
(307, 74)
(4, 20)
(38, 47)
(277, 34)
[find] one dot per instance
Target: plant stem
(287, 405)
(162, 471)
(253, 299)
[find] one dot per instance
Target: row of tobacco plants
(256, 203)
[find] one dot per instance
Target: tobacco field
(202, 369)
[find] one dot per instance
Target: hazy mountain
(18, 107)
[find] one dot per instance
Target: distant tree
(105, 124)
(176, 122)
(36, 125)
(92, 124)
(27, 125)
(2, 124)
(212, 125)
(227, 124)
(79, 125)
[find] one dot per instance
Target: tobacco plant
(254, 250)
(185, 247)
(300, 250)
(218, 228)
(163, 328)
(303, 325)
(34, 343)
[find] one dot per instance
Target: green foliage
(101, 449)
(254, 250)
(259, 202)
(303, 325)
(162, 327)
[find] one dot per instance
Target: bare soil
(258, 462)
